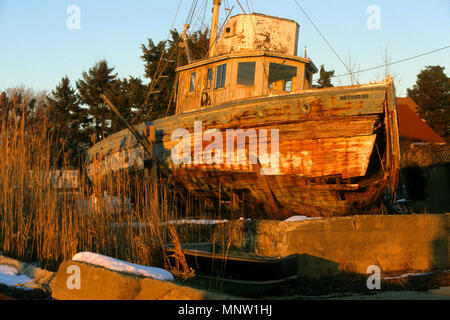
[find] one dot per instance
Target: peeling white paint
(257, 31)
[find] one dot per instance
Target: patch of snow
(185, 221)
(408, 275)
(122, 266)
(10, 277)
(301, 218)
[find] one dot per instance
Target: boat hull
(212, 261)
(336, 149)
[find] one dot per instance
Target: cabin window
(221, 72)
(281, 76)
(209, 78)
(192, 82)
(246, 73)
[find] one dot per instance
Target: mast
(186, 44)
(214, 26)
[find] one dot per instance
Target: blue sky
(38, 48)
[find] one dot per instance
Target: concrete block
(98, 283)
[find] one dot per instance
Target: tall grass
(38, 223)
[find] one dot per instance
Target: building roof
(412, 126)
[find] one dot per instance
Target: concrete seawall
(396, 243)
(331, 245)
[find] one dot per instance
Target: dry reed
(41, 224)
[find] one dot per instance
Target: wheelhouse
(238, 71)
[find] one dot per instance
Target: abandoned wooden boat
(250, 128)
(211, 260)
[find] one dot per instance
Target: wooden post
(151, 136)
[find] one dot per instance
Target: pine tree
(431, 92)
(127, 95)
(96, 81)
(325, 78)
(68, 121)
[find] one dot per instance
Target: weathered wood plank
(263, 112)
(325, 137)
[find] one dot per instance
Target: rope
(326, 41)
(395, 62)
(241, 6)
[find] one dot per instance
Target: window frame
(192, 80)
(223, 76)
(253, 71)
(209, 82)
(285, 81)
